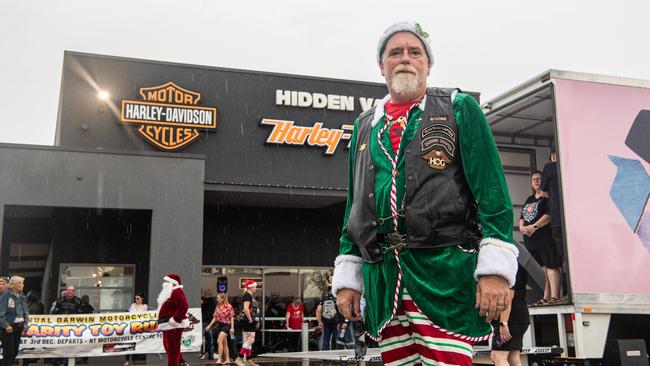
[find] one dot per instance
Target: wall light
(103, 95)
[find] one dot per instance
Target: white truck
(600, 126)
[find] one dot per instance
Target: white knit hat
(411, 27)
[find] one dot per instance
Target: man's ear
(381, 67)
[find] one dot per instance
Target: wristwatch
(503, 324)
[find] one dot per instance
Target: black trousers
(10, 344)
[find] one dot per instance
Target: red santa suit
(172, 317)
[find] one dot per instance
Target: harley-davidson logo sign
(169, 116)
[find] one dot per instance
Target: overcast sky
(486, 46)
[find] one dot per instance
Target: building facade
(219, 175)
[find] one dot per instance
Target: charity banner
(105, 334)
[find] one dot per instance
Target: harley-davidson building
(219, 175)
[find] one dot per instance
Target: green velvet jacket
(440, 280)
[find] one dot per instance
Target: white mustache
(405, 68)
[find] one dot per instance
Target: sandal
(561, 301)
(553, 300)
(542, 302)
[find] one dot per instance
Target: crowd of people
(15, 308)
(220, 327)
(231, 331)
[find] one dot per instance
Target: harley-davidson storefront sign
(168, 116)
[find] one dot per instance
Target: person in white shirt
(138, 306)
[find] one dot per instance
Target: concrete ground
(193, 360)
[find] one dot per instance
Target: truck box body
(605, 188)
(600, 126)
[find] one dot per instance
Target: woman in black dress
(534, 224)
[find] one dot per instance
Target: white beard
(165, 293)
(405, 83)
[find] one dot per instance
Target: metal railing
(304, 331)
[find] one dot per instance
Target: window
(110, 288)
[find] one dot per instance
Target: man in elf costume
(427, 232)
(172, 317)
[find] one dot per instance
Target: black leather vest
(439, 207)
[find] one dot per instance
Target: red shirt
(397, 114)
(295, 316)
(223, 313)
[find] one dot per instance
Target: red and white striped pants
(412, 339)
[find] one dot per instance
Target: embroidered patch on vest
(439, 129)
(441, 142)
(437, 159)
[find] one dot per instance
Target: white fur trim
(170, 280)
(379, 110)
(497, 257)
(173, 324)
(347, 273)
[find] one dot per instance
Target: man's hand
(492, 296)
(346, 299)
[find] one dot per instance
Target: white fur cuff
(497, 257)
(173, 324)
(347, 273)
(176, 324)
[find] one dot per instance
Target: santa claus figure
(172, 318)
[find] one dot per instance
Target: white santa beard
(405, 84)
(165, 293)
